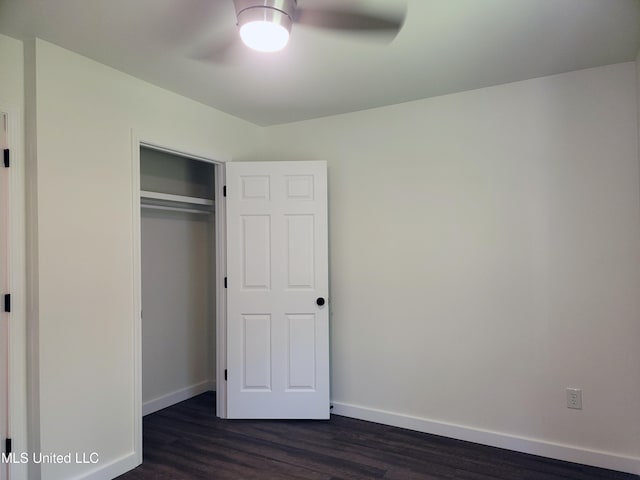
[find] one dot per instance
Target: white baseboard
(494, 439)
(128, 462)
(172, 398)
(112, 469)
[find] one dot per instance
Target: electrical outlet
(574, 398)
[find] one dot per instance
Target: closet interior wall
(178, 278)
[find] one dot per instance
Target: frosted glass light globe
(264, 36)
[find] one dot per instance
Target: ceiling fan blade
(227, 50)
(350, 20)
(182, 21)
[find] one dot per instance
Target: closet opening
(180, 270)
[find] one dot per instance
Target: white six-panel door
(277, 281)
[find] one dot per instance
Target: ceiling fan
(265, 25)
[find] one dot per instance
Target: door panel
(302, 352)
(256, 252)
(257, 352)
(277, 266)
(300, 251)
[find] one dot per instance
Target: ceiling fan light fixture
(264, 36)
(265, 25)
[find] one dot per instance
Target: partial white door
(277, 287)
(4, 289)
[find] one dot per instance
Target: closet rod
(176, 209)
(146, 194)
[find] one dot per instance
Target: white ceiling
(445, 46)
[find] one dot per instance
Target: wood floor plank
(187, 441)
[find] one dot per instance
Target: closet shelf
(145, 194)
(177, 209)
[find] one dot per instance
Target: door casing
(22, 368)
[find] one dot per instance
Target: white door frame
(5, 288)
(218, 162)
(17, 426)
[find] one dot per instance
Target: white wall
(12, 103)
(484, 257)
(11, 75)
(85, 116)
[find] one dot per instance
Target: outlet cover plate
(574, 398)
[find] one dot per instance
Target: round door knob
(320, 301)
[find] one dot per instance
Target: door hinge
(224, 191)
(7, 302)
(7, 446)
(225, 374)
(225, 282)
(6, 158)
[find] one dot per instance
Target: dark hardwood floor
(187, 441)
